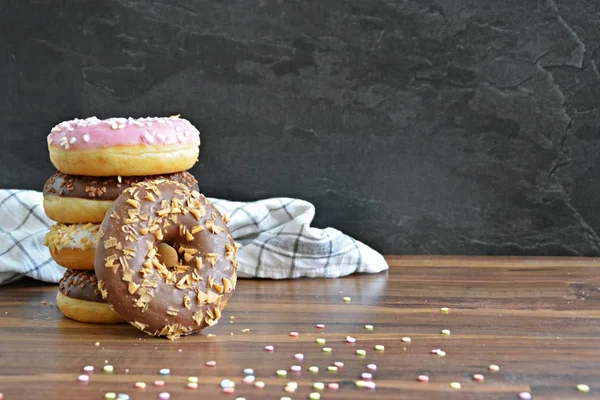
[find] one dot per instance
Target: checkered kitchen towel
(276, 237)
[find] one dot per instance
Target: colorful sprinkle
(366, 376)
(525, 396)
(444, 310)
(108, 369)
(361, 352)
(369, 327)
(350, 339)
(88, 368)
(583, 388)
(164, 396)
(192, 379)
(380, 347)
(97, 344)
(296, 368)
(313, 369)
(269, 348)
(285, 398)
(478, 377)
(494, 367)
(122, 396)
(227, 383)
(240, 398)
(327, 349)
(259, 384)
(110, 395)
(248, 371)
(314, 396)
(347, 299)
(361, 384)
(370, 385)
(333, 386)
(339, 364)
(445, 332)
(320, 341)
(294, 334)
(83, 378)
(372, 367)
(455, 385)
(140, 385)
(320, 326)
(228, 390)
(423, 378)
(211, 363)
(299, 356)
(248, 379)
(332, 368)
(282, 373)
(159, 383)
(164, 371)
(318, 386)
(292, 386)
(406, 339)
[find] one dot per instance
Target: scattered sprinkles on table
(406, 339)
(380, 347)
(108, 369)
(313, 369)
(361, 352)
(583, 388)
(164, 371)
(455, 385)
(320, 326)
(350, 339)
(269, 348)
(164, 396)
(299, 356)
(140, 385)
(327, 349)
(294, 334)
(88, 368)
(494, 367)
(423, 378)
(444, 310)
(369, 327)
(525, 396)
(445, 332)
(347, 299)
(211, 363)
(320, 341)
(478, 378)
(83, 378)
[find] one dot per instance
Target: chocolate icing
(81, 285)
(105, 188)
(158, 300)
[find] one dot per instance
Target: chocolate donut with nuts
(73, 199)
(80, 299)
(166, 260)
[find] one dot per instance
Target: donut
(78, 298)
(75, 199)
(166, 260)
(124, 146)
(73, 246)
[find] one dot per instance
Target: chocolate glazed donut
(73, 199)
(79, 298)
(166, 260)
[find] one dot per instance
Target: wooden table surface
(538, 319)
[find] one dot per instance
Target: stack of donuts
(139, 242)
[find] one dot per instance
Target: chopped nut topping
(227, 285)
(187, 257)
(218, 287)
(212, 258)
(188, 236)
(201, 298)
(133, 287)
(110, 242)
(133, 203)
(172, 311)
(199, 262)
(197, 228)
(198, 317)
(187, 303)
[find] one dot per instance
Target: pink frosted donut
(124, 146)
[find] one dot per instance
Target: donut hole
(167, 254)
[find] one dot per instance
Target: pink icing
(92, 133)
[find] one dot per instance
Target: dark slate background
(442, 127)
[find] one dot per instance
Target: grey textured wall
(444, 127)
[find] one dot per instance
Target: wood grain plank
(538, 319)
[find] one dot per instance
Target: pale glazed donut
(124, 146)
(74, 199)
(73, 246)
(166, 260)
(78, 298)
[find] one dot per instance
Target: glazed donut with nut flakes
(166, 260)
(78, 298)
(75, 199)
(124, 146)
(73, 246)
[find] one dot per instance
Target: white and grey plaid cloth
(277, 241)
